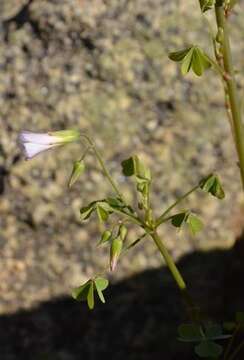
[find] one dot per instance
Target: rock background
(102, 66)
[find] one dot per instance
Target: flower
(35, 143)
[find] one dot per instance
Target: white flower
(35, 143)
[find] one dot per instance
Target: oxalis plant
(118, 215)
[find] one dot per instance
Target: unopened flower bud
(123, 232)
(78, 169)
(106, 236)
(115, 250)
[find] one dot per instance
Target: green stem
(191, 307)
(169, 261)
(231, 86)
(104, 168)
(161, 218)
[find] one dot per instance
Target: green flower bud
(123, 232)
(78, 169)
(115, 250)
(106, 236)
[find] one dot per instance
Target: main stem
(169, 261)
(231, 86)
(192, 309)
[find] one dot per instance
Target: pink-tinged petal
(32, 149)
(38, 138)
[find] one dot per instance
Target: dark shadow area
(139, 319)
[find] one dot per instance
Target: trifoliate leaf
(192, 58)
(208, 349)
(212, 185)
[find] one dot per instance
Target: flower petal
(38, 138)
(33, 149)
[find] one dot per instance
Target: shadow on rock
(139, 319)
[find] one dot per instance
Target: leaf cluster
(205, 337)
(191, 58)
(87, 291)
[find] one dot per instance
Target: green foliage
(206, 4)
(212, 185)
(134, 166)
(101, 284)
(178, 220)
(179, 55)
(191, 58)
(80, 293)
(205, 337)
(194, 223)
(102, 213)
(208, 349)
(86, 211)
(103, 208)
(191, 220)
(86, 291)
(215, 332)
(115, 202)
